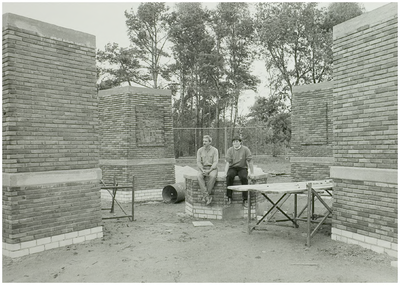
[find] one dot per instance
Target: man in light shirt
(207, 162)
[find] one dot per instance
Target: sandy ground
(163, 245)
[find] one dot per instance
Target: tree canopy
(205, 58)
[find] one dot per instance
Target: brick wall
(50, 142)
(49, 106)
(312, 134)
(136, 137)
(365, 130)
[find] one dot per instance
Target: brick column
(51, 174)
(137, 140)
(365, 130)
(312, 134)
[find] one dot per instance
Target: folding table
(285, 190)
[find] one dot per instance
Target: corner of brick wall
(365, 123)
(50, 145)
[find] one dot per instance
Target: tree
(275, 114)
(339, 12)
(141, 63)
(122, 65)
(193, 52)
(296, 40)
(237, 28)
(293, 44)
(265, 108)
(148, 32)
(280, 131)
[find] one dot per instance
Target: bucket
(174, 193)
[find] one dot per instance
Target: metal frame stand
(113, 194)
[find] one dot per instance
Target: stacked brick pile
(312, 134)
(50, 143)
(136, 141)
(365, 130)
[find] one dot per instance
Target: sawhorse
(113, 194)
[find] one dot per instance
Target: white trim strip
(313, 87)
(364, 174)
(327, 159)
(50, 177)
(126, 162)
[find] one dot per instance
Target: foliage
(296, 41)
(194, 62)
(141, 63)
(280, 125)
(293, 44)
(274, 113)
(265, 108)
(212, 52)
(339, 12)
(123, 66)
(237, 36)
(148, 32)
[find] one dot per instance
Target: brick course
(50, 141)
(312, 133)
(219, 209)
(136, 137)
(365, 102)
(49, 109)
(365, 130)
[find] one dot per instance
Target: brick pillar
(51, 174)
(137, 140)
(312, 134)
(365, 130)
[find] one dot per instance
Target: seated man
(207, 162)
(238, 162)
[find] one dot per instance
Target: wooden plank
(280, 188)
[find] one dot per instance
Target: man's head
(236, 141)
(207, 140)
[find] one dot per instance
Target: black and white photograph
(200, 142)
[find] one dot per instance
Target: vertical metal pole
(133, 197)
(226, 140)
(309, 197)
(195, 140)
(248, 211)
(313, 206)
(113, 197)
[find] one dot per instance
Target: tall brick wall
(51, 174)
(312, 133)
(136, 137)
(365, 130)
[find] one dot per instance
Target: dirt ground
(162, 245)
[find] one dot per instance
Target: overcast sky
(106, 21)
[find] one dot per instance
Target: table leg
(309, 213)
(249, 212)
